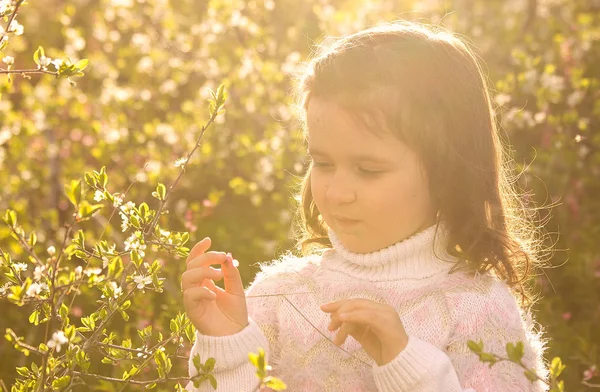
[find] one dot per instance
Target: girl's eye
(369, 172)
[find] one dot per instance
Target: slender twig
(51, 299)
(163, 202)
(28, 71)
(135, 350)
(29, 347)
(520, 363)
(322, 334)
(588, 384)
(130, 381)
(12, 17)
(156, 347)
(100, 327)
(24, 244)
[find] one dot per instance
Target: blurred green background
(142, 102)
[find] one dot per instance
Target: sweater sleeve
(494, 319)
(233, 370)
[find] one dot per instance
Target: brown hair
(425, 84)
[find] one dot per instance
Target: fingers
(362, 317)
(351, 304)
(196, 277)
(196, 294)
(207, 259)
(231, 275)
(232, 278)
(200, 247)
(342, 335)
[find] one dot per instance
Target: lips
(343, 219)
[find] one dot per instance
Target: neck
(416, 257)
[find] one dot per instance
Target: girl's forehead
(331, 126)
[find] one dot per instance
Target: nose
(340, 190)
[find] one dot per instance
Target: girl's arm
(233, 370)
(493, 318)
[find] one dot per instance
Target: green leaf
(487, 357)
(73, 192)
(32, 239)
(86, 210)
(34, 317)
(556, 367)
(90, 180)
(103, 179)
(10, 217)
(63, 311)
(274, 383)
(61, 382)
(161, 192)
(38, 53)
(126, 305)
(531, 376)
(209, 365)
(253, 359)
(475, 347)
(81, 64)
(511, 351)
(196, 362)
(23, 371)
(213, 381)
(189, 332)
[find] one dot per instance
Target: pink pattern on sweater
(440, 313)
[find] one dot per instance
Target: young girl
(413, 240)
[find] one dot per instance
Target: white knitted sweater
(440, 313)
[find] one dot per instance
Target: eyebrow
(355, 157)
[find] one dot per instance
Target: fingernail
(228, 259)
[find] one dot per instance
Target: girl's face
(374, 181)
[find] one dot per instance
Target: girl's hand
(212, 310)
(375, 326)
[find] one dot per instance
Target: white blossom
(181, 161)
(116, 289)
(99, 195)
(58, 339)
(9, 60)
(57, 63)
(134, 243)
(45, 61)
(4, 288)
(118, 200)
(127, 206)
(142, 281)
(92, 271)
(35, 289)
(124, 222)
(51, 250)
(78, 271)
(20, 267)
(4, 7)
(16, 27)
(38, 272)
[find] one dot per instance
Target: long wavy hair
(426, 85)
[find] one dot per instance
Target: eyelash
(365, 172)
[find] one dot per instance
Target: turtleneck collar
(411, 258)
